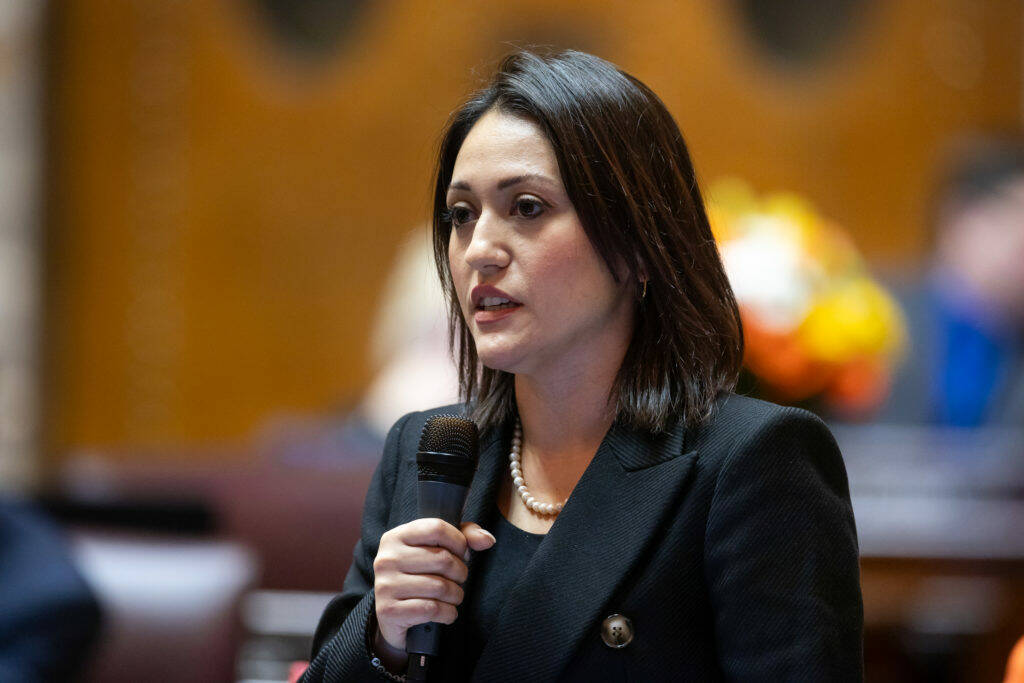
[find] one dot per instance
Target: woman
(650, 524)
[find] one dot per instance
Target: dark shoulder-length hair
(628, 174)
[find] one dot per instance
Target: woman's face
(535, 294)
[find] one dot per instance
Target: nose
(488, 249)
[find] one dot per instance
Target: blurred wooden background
(224, 195)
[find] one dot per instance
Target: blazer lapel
(491, 463)
(612, 515)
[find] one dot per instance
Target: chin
(499, 357)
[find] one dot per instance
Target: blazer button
(617, 631)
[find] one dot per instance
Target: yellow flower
(855, 318)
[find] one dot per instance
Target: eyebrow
(505, 182)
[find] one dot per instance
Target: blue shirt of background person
(975, 294)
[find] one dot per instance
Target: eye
(457, 215)
(528, 207)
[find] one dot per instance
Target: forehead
(499, 143)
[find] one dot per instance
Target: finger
(477, 537)
(427, 586)
(420, 611)
(431, 531)
(431, 560)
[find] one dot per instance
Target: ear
(640, 277)
(620, 269)
(641, 271)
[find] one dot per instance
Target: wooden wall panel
(222, 212)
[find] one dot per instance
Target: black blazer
(730, 546)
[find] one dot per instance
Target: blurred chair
(172, 606)
(938, 513)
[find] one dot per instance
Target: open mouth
(495, 303)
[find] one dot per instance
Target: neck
(566, 416)
(563, 399)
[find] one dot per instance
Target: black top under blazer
(731, 546)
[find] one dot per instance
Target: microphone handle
(443, 500)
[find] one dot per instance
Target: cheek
(576, 271)
(458, 274)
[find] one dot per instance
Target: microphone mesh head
(451, 434)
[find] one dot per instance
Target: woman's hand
(418, 573)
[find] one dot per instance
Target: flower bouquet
(819, 331)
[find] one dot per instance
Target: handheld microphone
(446, 460)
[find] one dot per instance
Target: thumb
(477, 537)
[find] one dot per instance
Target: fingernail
(465, 555)
(489, 535)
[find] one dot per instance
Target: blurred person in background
(646, 523)
(49, 617)
(412, 364)
(967, 315)
(409, 345)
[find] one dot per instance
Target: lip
(485, 317)
(480, 293)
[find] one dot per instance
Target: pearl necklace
(520, 483)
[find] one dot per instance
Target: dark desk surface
(936, 493)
